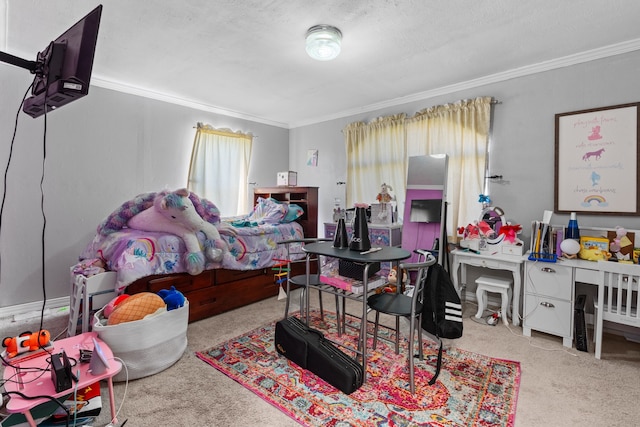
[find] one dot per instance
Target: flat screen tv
(63, 68)
(425, 210)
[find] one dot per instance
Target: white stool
(496, 285)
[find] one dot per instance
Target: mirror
(494, 216)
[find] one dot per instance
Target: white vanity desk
(486, 259)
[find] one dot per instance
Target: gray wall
(110, 146)
(523, 136)
(101, 151)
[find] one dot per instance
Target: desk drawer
(548, 279)
(584, 275)
(483, 262)
(548, 315)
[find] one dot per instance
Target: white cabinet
(548, 300)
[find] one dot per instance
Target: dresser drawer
(548, 315)
(548, 279)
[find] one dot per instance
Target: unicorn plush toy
(175, 213)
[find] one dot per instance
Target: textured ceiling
(246, 57)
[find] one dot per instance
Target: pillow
(268, 211)
(294, 212)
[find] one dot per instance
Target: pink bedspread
(134, 254)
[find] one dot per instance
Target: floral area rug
(471, 390)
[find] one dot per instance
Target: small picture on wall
(312, 158)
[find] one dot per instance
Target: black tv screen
(65, 67)
(425, 210)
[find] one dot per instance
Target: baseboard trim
(36, 307)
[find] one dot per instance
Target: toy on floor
(493, 319)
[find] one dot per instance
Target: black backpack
(442, 309)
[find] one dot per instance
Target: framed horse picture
(597, 168)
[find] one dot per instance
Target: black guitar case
(309, 349)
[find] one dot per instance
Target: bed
(152, 260)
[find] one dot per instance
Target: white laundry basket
(146, 346)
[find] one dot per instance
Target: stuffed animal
(621, 246)
(111, 305)
(89, 267)
(172, 297)
(26, 341)
(393, 276)
(593, 253)
(175, 213)
(136, 307)
(510, 233)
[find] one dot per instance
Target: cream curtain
(220, 167)
(376, 154)
(460, 130)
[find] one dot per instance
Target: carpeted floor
(558, 387)
(472, 389)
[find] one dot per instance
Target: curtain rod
(201, 125)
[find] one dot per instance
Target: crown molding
(574, 59)
(578, 58)
(159, 96)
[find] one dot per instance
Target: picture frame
(597, 167)
(312, 158)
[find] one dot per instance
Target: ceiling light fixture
(323, 42)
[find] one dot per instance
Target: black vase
(341, 239)
(360, 239)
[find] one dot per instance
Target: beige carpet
(559, 387)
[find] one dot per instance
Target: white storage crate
(146, 346)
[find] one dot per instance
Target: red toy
(26, 341)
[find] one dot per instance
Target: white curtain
(219, 168)
(378, 152)
(376, 155)
(460, 130)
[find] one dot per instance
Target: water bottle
(573, 232)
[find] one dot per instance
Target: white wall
(523, 136)
(108, 147)
(101, 151)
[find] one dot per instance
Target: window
(219, 168)
(378, 152)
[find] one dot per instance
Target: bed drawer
(185, 283)
(227, 276)
(204, 303)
